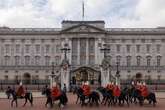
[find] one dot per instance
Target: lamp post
(52, 74)
(117, 73)
(105, 50)
(65, 72)
(65, 50)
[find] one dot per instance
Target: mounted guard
(20, 91)
(144, 90)
(56, 92)
(86, 89)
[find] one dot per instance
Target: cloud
(50, 13)
(148, 13)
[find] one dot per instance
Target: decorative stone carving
(105, 64)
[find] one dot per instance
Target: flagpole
(83, 9)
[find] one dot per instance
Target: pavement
(39, 104)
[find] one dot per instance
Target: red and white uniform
(20, 91)
(109, 86)
(55, 91)
(86, 89)
(116, 91)
(144, 91)
(139, 86)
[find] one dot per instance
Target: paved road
(39, 105)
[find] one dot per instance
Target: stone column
(78, 52)
(87, 51)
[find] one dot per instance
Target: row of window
(138, 48)
(28, 48)
(29, 61)
(138, 60)
(137, 40)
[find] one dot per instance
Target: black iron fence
(29, 84)
(39, 84)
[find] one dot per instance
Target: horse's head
(43, 92)
(100, 89)
(10, 91)
(46, 91)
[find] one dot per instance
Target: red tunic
(144, 91)
(55, 92)
(139, 87)
(86, 90)
(116, 91)
(20, 91)
(109, 87)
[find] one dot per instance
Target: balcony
(113, 67)
(26, 67)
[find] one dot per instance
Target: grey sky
(50, 13)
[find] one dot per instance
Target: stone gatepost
(65, 75)
(105, 72)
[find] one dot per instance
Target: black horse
(62, 98)
(107, 96)
(28, 97)
(124, 96)
(93, 98)
(151, 98)
(135, 95)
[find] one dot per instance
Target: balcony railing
(113, 67)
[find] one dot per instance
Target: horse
(134, 95)
(28, 97)
(111, 99)
(92, 98)
(62, 98)
(107, 96)
(151, 97)
(124, 96)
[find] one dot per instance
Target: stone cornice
(135, 31)
(57, 31)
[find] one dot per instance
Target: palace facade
(28, 53)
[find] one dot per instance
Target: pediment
(83, 28)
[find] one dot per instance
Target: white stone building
(28, 53)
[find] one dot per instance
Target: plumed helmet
(144, 83)
(133, 83)
(54, 84)
(140, 83)
(87, 83)
(20, 83)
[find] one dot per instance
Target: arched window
(148, 60)
(27, 60)
(17, 60)
(37, 60)
(7, 61)
(158, 60)
(138, 58)
(128, 60)
(47, 60)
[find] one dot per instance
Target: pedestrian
(64, 88)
